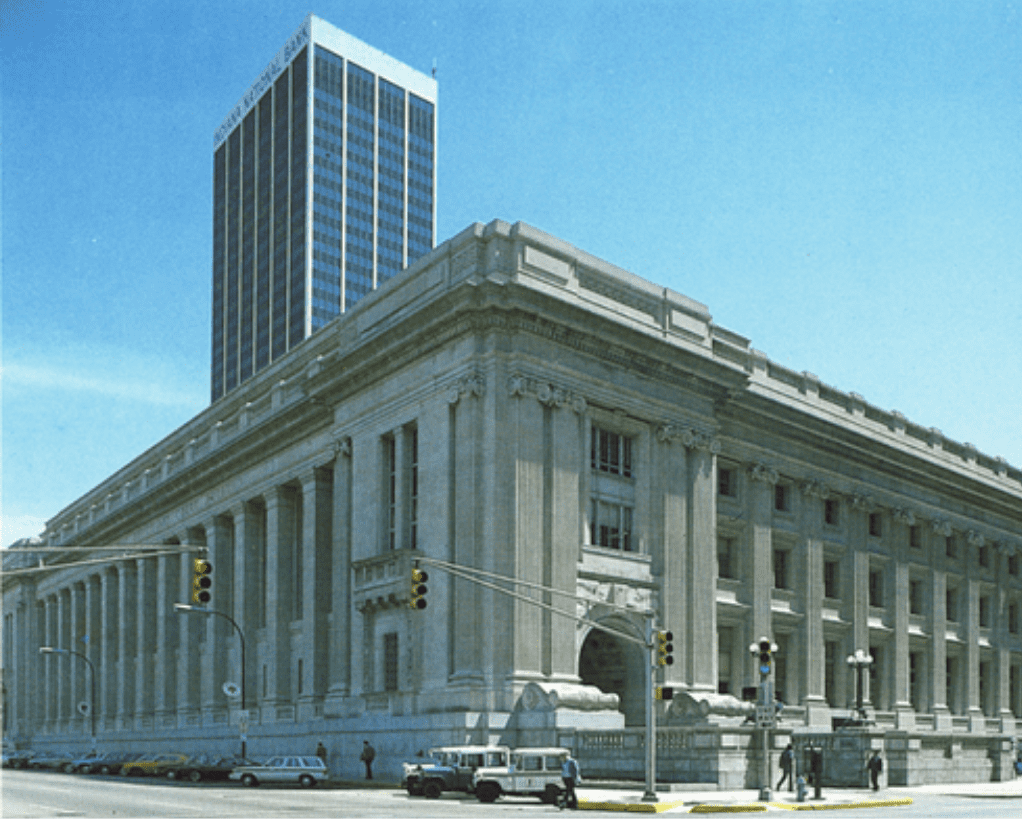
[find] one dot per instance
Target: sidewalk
(747, 801)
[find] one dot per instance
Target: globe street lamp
(92, 684)
(184, 608)
(860, 660)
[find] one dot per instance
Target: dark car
(91, 762)
(113, 763)
(50, 760)
(207, 767)
(16, 759)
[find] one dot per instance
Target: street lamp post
(92, 684)
(860, 661)
(184, 608)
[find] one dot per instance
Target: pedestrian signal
(665, 648)
(417, 599)
(202, 582)
(664, 692)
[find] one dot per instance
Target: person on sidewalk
(570, 775)
(367, 756)
(875, 766)
(787, 763)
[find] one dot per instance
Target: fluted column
(971, 587)
(858, 534)
(340, 627)
(760, 576)
(145, 642)
(191, 632)
(701, 623)
(51, 667)
(127, 644)
(168, 573)
(94, 642)
(77, 684)
(216, 670)
(280, 584)
(670, 555)
(316, 542)
(249, 571)
(1002, 640)
(902, 699)
(812, 655)
(111, 634)
(938, 633)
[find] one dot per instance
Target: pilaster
(317, 536)
(340, 571)
(146, 643)
(762, 481)
(165, 671)
(127, 644)
(280, 598)
(249, 572)
(811, 628)
(670, 556)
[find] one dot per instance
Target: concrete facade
(514, 404)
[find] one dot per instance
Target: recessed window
(726, 484)
(983, 555)
(915, 537)
(951, 605)
(915, 596)
(830, 512)
(390, 662)
(781, 569)
(610, 525)
(831, 579)
(611, 453)
(875, 525)
(984, 612)
(782, 497)
(950, 546)
(1013, 564)
(727, 558)
(1013, 618)
(876, 588)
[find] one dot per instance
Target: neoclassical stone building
(514, 404)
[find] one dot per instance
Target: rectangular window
(984, 688)
(1013, 618)
(724, 639)
(831, 578)
(390, 662)
(727, 558)
(830, 512)
(780, 569)
(951, 605)
(413, 487)
(829, 671)
(983, 555)
(915, 596)
(950, 547)
(390, 454)
(875, 526)
(611, 526)
(915, 666)
(726, 483)
(1013, 564)
(915, 537)
(984, 612)
(876, 588)
(951, 684)
(611, 453)
(781, 498)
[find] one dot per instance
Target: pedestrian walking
(787, 763)
(570, 775)
(321, 751)
(875, 766)
(367, 756)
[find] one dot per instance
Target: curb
(876, 803)
(728, 808)
(631, 807)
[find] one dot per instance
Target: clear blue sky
(841, 182)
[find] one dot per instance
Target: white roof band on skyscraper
(315, 30)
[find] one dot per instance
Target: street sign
(765, 715)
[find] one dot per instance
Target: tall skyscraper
(324, 183)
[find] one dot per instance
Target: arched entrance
(615, 667)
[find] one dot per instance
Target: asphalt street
(33, 795)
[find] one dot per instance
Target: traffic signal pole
(654, 656)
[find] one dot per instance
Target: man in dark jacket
(787, 763)
(875, 766)
(367, 756)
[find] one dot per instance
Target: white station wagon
(532, 772)
(302, 770)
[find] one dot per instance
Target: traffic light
(765, 657)
(202, 582)
(417, 598)
(665, 648)
(664, 692)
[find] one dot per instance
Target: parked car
(206, 767)
(152, 764)
(532, 772)
(83, 762)
(111, 763)
(303, 770)
(450, 769)
(49, 760)
(16, 759)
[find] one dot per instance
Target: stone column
(938, 639)
(220, 634)
(127, 644)
(94, 644)
(974, 710)
(280, 530)
(249, 535)
(317, 536)
(64, 641)
(670, 556)
(858, 529)
(51, 668)
(107, 670)
(759, 574)
(145, 642)
(901, 697)
(397, 535)
(562, 530)
(701, 623)
(165, 674)
(77, 683)
(1002, 641)
(340, 570)
(190, 633)
(812, 654)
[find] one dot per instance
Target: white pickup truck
(532, 772)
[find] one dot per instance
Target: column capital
(549, 395)
(904, 516)
(815, 489)
(468, 385)
(764, 474)
(669, 433)
(941, 527)
(340, 443)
